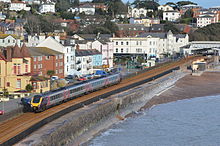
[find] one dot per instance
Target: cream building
(150, 44)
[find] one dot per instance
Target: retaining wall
(71, 127)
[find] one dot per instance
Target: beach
(189, 87)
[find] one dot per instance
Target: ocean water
(191, 122)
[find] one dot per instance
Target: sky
(203, 3)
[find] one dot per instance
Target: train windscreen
(36, 99)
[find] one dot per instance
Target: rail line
(16, 129)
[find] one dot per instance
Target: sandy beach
(189, 87)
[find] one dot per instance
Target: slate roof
(89, 52)
(138, 27)
(42, 51)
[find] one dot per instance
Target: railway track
(13, 130)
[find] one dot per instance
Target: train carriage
(43, 101)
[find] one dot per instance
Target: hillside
(207, 33)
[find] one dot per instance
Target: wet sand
(189, 87)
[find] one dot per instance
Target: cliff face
(80, 125)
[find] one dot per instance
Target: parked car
(90, 76)
(82, 79)
(54, 78)
(100, 73)
(2, 112)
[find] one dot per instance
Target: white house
(9, 40)
(165, 8)
(48, 7)
(87, 9)
(5, 1)
(18, 6)
(69, 54)
(137, 13)
(84, 62)
(149, 44)
(205, 19)
(171, 15)
(33, 41)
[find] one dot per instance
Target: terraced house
(15, 68)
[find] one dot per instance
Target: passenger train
(43, 101)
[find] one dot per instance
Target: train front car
(36, 103)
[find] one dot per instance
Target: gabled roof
(3, 36)
(25, 51)
(16, 53)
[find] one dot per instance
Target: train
(41, 102)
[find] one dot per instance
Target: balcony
(89, 60)
(78, 61)
(79, 68)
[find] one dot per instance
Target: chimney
(8, 53)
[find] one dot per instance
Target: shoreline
(187, 88)
(170, 94)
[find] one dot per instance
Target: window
(122, 43)
(35, 58)
(126, 43)
(121, 50)
(8, 84)
(39, 58)
(15, 68)
(26, 68)
(8, 41)
(56, 71)
(35, 66)
(67, 59)
(56, 57)
(61, 56)
(18, 85)
(116, 50)
(116, 43)
(47, 57)
(61, 63)
(19, 69)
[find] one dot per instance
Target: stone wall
(78, 126)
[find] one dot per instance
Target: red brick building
(44, 59)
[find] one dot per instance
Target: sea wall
(80, 125)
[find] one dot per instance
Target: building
(5, 1)
(34, 40)
(194, 8)
(200, 45)
(18, 6)
(9, 40)
(2, 16)
(87, 9)
(15, 68)
(206, 17)
(48, 7)
(149, 44)
(44, 59)
(100, 42)
(84, 61)
(137, 13)
(145, 21)
(68, 51)
(126, 30)
(40, 84)
(171, 15)
(165, 8)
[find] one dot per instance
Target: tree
(50, 72)
(29, 87)
(147, 4)
(5, 92)
(76, 3)
(62, 5)
(182, 3)
(170, 26)
(32, 23)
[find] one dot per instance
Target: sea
(190, 122)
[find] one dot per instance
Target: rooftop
(42, 51)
